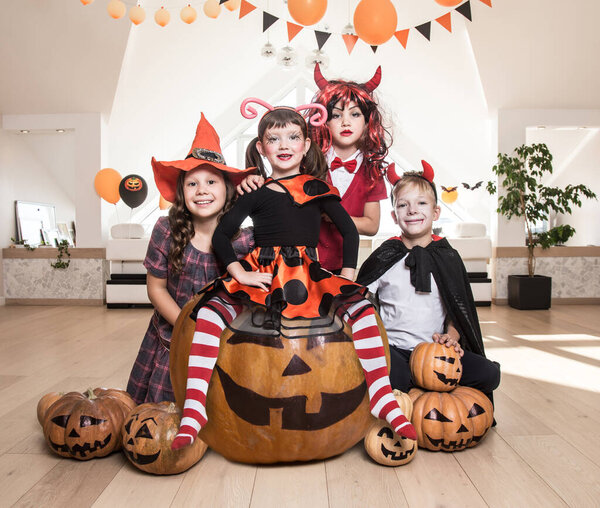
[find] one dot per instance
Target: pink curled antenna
(248, 111)
(317, 119)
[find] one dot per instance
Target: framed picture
(64, 233)
(31, 219)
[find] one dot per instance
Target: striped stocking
(203, 356)
(369, 348)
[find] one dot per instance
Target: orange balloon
(233, 5)
(137, 14)
(106, 183)
(162, 17)
(307, 12)
(188, 14)
(375, 21)
(163, 204)
(212, 8)
(448, 3)
(116, 9)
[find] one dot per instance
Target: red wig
(375, 139)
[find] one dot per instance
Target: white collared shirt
(341, 178)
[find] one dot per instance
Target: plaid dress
(149, 380)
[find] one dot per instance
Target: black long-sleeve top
(280, 221)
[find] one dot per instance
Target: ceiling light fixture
(24, 131)
(60, 130)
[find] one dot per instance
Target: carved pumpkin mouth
(451, 445)
(255, 408)
(141, 459)
(446, 380)
(392, 455)
(81, 449)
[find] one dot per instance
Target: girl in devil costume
(282, 276)
(355, 144)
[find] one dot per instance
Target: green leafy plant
(63, 250)
(23, 243)
(527, 197)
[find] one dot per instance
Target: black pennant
(221, 2)
(425, 30)
(374, 48)
(268, 20)
(321, 38)
(465, 10)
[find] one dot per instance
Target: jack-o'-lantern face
(274, 399)
(435, 367)
(148, 433)
(133, 184)
(388, 448)
(451, 421)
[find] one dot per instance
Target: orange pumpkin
(278, 399)
(451, 421)
(148, 432)
(435, 367)
(87, 425)
(44, 403)
(386, 447)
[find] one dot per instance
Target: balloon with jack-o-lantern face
(133, 190)
(148, 433)
(451, 421)
(386, 447)
(278, 399)
(435, 367)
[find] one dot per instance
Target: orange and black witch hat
(205, 150)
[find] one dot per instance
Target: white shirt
(409, 317)
(341, 178)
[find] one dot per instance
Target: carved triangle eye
(86, 421)
(144, 432)
(476, 410)
(61, 420)
(436, 415)
(128, 426)
(387, 432)
(449, 359)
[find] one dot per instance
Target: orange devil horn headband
(369, 86)
(317, 119)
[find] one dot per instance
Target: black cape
(449, 273)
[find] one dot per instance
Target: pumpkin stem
(90, 394)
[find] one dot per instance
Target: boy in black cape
(422, 288)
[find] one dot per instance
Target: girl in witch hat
(179, 259)
(281, 278)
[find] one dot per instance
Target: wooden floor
(545, 450)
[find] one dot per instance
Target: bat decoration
(449, 189)
(472, 187)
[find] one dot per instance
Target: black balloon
(133, 190)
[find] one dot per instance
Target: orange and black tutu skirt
(300, 289)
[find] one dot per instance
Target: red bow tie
(349, 165)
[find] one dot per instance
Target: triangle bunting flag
(374, 48)
(268, 20)
(487, 2)
(350, 41)
(293, 30)
(465, 10)
(402, 36)
(445, 21)
(322, 38)
(425, 30)
(246, 8)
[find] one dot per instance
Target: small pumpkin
(386, 447)
(148, 432)
(87, 425)
(435, 367)
(278, 399)
(451, 421)
(44, 403)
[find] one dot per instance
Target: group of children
(326, 181)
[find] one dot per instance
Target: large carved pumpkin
(278, 399)
(435, 367)
(385, 446)
(148, 432)
(87, 425)
(451, 421)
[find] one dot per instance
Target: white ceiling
(61, 57)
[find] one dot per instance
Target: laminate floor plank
(19, 473)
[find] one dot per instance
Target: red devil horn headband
(316, 119)
(394, 178)
(369, 86)
(427, 171)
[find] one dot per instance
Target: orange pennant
(246, 8)
(487, 2)
(402, 36)
(293, 30)
(350, 41)
(445, 21)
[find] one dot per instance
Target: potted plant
(526, 196)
